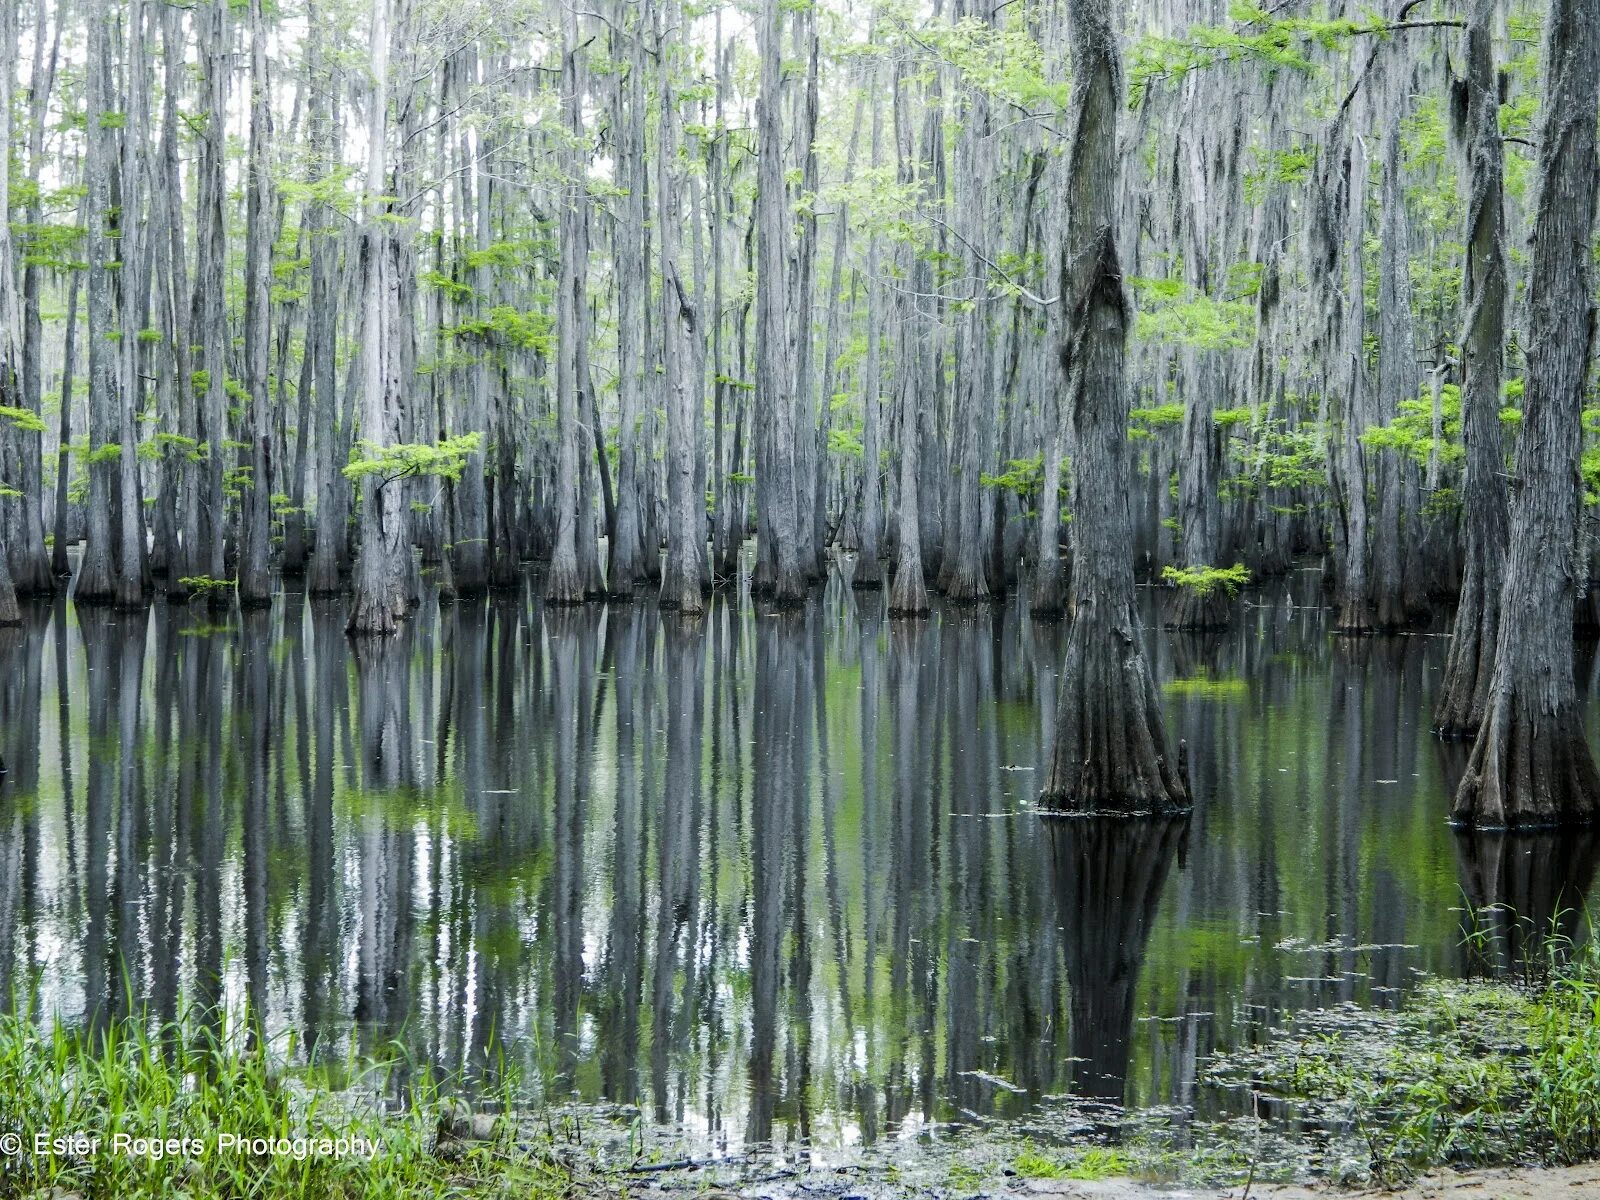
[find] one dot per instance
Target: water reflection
(768, 877)
(1524, 895)
(1108, 876)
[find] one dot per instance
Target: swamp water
(769, 879)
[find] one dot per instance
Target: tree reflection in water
(772, 877)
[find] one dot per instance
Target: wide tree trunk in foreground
(1110, 750)
(1464, 691)
(1530, 765)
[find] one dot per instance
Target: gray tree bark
(1110, 750)
(1475, 108)
(1531, 764)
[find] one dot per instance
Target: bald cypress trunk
(1531, 764)
(1110, 750)
(565, 582)
(680, 571)
(97, 573)
(30, 562)
(1464, 691)
(322, 322)
(869, 570)
(10, 311)
(1354, 602)
(625, 550)
(1397, 381)
(379, 602)
(775, 398)
(255, 580)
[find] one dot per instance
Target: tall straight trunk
(625, 551)
(133, 574)
(1110, 750)
(775, 399)
(964, 574)
(59, 564)
(1475, 107)
(10, 310)
(908, 595)
(565, 582)
(1397, 382)
(1354, 605)
(181, 478)
(255, 579)
(379, 601)
(680, 572)
(1531, 764)
(471, 566)
(97, 572)
(724, 541)
(205, 558)
(171, 386)
(809, 432)
(869, 567)
(322, 323)
(29, 560)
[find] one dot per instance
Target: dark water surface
(768, 877)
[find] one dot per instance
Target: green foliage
(455, 291)
(510, 327)
(1088, 1162)
(1467, 1073)
(21, 418)
(1278, 168)
(1004, 61)
(108, 452)
(1147, 420)
(1204, 580)
(1276, 455)
(205, 585)
(844, 442)
(443, 460)
(1257, 36)
(1022, 477)
(1173, 313)
(139, 1078)
(1411, 432)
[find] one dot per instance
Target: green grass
(1089, 1162)
(171, 1086)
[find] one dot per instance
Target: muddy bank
(1501, 1183)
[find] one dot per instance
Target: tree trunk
(908, 595)
(1531, 764)
(565, 582)
(255, 578)
(379, 602)
(780, 528)
(1464, 691)
(97, 573)
(1110, 750)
